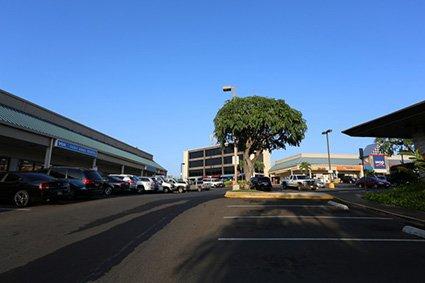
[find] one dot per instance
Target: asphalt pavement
(203, 237)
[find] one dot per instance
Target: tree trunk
(248, 165)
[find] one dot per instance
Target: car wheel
(375, 186)
(180, 190)
(166, 190)
(107, 191)
(21, 198)
(284, 186)
(360, 186)
(299, 187)
(140, 189)
(199, 189)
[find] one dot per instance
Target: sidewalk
(355, 198)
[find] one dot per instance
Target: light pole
(232, 90)
(327, 132)
(181, 170)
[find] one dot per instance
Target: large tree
(391, 146)
(256, 124)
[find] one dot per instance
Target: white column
(48, 154)
(122, 169)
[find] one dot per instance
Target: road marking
(414, 231)
(14, 209)
(306, 217)
(339, 205)
(272, 205)
(323, 239)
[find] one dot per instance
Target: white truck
(300, 182)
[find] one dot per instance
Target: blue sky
(150, 72)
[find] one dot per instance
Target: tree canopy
(258, 123)
(391, 146)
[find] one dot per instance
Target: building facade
(341, 164)
(215, 161)
(32, 137)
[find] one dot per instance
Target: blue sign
(379, 162)
(76, 148)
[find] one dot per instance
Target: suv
(180, 185)
(167, 187)
(81, 181)
(214, 183)
(261, 183)
(130, 179)
(300, 182)
(147, 184)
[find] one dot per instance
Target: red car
(373, 182)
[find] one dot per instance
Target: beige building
(215, 161)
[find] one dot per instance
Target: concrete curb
(289, 196)
(409, 218)
(414, 231)
(339, 205)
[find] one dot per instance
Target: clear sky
(150, 72)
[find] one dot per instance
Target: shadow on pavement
(91, 258)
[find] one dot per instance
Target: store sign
(379, 162)
(355, 168)
(76, 148)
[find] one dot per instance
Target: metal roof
(400, 124)
(18, 119)
(313, 161)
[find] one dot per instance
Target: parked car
(81, 181)
(348, 180)
(165, 186)
(261, 183)
(129, 179)
(25, 188)
(197, 184)
(372, 182)
(214, 182)
(119, 185)
(299, 182)
(180, 185)
(145, 184)
(319, 183)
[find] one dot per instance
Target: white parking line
(272, 205)
(306, 217)
(4, 209)
(323, 239)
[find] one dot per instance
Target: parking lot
(196, 237)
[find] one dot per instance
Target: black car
(118, 184)
(24, 188)
(261, 183)
(82, 181)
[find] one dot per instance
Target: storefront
(32, 137)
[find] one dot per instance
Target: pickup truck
(299, 182)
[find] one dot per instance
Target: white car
(214, 183)
(147, 184)
(165, 186)
(180, 185)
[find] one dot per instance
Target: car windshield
(301, 177)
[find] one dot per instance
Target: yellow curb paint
(293, 196)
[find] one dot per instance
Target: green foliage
(256, 124)
(243, 184)
(411, 196)
(228, 184)
(392, 146)
(305, 166)
(419, 161)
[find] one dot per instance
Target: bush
(243, 184)
(228, 183)
(411, 196)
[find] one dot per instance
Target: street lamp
(181, 170)
(232, 90)
(327, 132)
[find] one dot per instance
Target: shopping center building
(32, 137)
(341, 164)
(215, 161)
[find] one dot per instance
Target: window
(4, 164)
(29, 166)
(213, 161)
(75, 174)
(213, 172)
(196, 173)
(228, 160)
(229, 170)
(197, 163)
(196, 154)
(229, 150)
(59, 173)
(213, 152)
(92, 175)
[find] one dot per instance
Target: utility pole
(327, 132)
(232, 90)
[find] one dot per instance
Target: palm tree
(305, 167)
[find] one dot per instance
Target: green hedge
(410, 196)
